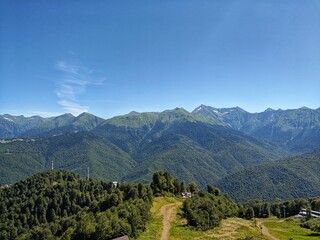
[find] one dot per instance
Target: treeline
(163, 184)
(60, 205)
(205, 210)
(279, 208)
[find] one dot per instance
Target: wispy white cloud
(73, 82)
(65, 91)
(73, 107)
(67, 68)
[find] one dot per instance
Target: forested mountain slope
(133, 146)
(296, 130)
(20, 158)
(14, 126)
(294, 177)
(188, 146)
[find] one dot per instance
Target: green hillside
(185, 145)
(71, 151)
(295, 177)
(198, 152)
(49, 124)
(133, 146)
(19, 160)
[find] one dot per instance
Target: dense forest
(288, 178)
(281, 208)
(60, 205)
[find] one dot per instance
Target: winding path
(169, 212)
(265, 231)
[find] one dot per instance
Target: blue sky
(112, 57)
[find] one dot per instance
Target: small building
(186, 194)
(303, 212)
(115, 184)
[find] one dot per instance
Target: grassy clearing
(232, 228)
(229, 229)
(286, 229)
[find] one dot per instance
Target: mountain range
(295, 130)
(206, 145)
(20, 126)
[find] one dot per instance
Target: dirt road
(265, 231)
(169, 212)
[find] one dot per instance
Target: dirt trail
(265, 231)
(169, 212)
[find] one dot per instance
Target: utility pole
(88, 174)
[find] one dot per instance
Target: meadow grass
(288, 229)
(229, 229)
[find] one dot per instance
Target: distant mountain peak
(67, 114)
(85, 114)
(197, 109)
(269, 110)
(201, 107)
(133, 113)
(176, 110)
(180, 109)
(238, 109)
